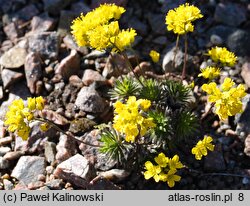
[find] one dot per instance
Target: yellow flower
(44, 127)
(170, 178)
(128, 118)
(40, 103)
(210, 73)
(227, 100)
(221, 54)
(152, 171)
(161, 160)
(174, 163)
(155, 56)
(179, 20)
(202, 147)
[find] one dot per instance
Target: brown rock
(33, 70)
(5, 140)
(77, 170)
(90, 76)
(245, 73)
(69, 65)
(42, 23)
(35, 185)
(142, 68)
(10, 77)
(54, 117)
(74, 80)
(10, 156)
(12, 32)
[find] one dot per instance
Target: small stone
(54, 6)
(1, 95)
(142, 68)
(12, 32)
(42, 23)
(4, 150)
(76, 170)
(56, 184)
(81, 125)
(70, 65)
(71, 44)
(230, 14)
(54, 117)
(45, 43)
(161, 40)
(4, 164)
(49, 170)
(27, 12)
(75, 81)
(245, 73)
(140, 27)
(41, 177)
(155, 22)
(2, 130)
(8, 185)
(214, 161)
(50, 151)
(10, 156)
(88, 100)
(13, 58)
(10, 77)
(21, 186)
(90, 76)
(5, 140)
(103, 184)
(33, 70)
(66, 148)
(221, 31)
(28, 168)
(65, 21)
(247, 146)
(115, 66)
(35, 185)
(216, 40)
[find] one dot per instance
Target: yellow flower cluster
(155, 56)
(210, 73)
(221, 54)
(165, 170)
(180, 19)
(100, 30)
(130, 118)
(227, 99)
(18, 116)
(202, 147)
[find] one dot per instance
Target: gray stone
(80, 7)
(90, 76)
(5, 140)
(237, 42)
(140, 27)
(221, 31)
(33, 70)
(13, 58)
(247, 146)
(42, 23)
(88, 100)
(1, 92)
(230, 14)
(214, 161)
(77, 170)
(10, 156)
(70, 65)
(9, 77)
(65, 21)
(170, 4)
(71, 44)
(54, 6)
(4, 164)
(8, 185)
(56, 184)
(161, 40)
(50, 151)
(28, 168)
(4, 150)
(12, 32)
(45, 43)
(103, 184)
(27, 12)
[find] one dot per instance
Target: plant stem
(131, 68)
(176, 49)
(65, 133)
(207, 113)
(185, 59)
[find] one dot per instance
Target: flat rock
(9, 77)
(90, 76)
(70, 65)
(88, 100)
(4, 164)
(33, 70)
(13, 58)
(4, 150)
(42, 23)
(54, 6)
(10, 156)
(214, 161)
(231, 14)
(28, 168)
(77, 170)
(245, 73)
(45, 43)
(50, 151)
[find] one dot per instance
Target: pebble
(55, 184)
(50, 151)
(35, 185)
(33, 70)
(8, 185)
(215, 162)
(70, 65)
(42, 23)
(88, 100)
(54, 6)
(27, 12)
(4, 150)
(4, 164)
(90, 76)
(75, 81)
(14, 58)
(28, 168)
(10, 77)
(12, 32)
(5, 140)
(76, 170)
